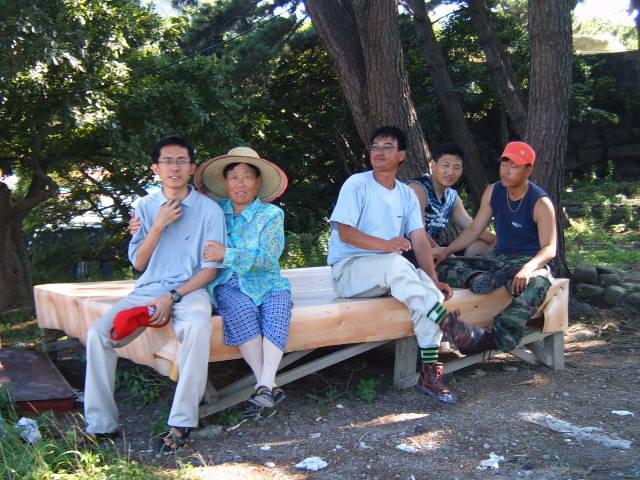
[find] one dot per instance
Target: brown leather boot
(481, 343)
(433, 384)
(467, 339)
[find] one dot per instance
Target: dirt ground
(323, 416)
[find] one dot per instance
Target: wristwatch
(176, 296)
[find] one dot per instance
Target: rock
(634, 299)
(614, 295)
(581, 311)
(207, 432)
(631, 287)
(601, 269)
(589, 292)
(584, 273)
(608, 279)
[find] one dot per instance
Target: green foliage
(601, 35)
(367, 389)
(140, 384)
(605, 221)
(64, 453)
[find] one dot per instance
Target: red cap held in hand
(130, 320)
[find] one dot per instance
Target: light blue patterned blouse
(255, 241)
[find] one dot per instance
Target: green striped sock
(428, 355)
(437, 313)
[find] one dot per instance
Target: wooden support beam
(522, 354)
(404, 366)
(554, 345)
(230, 396)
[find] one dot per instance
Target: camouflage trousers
(511, 322)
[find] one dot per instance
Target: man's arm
(358, 238)
(164, 304)
(462, 219)
(473, 232)
(424, 256)
(423, 200)
(545, 217)
(169, 213)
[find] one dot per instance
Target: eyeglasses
(382, 148)
(180, 163)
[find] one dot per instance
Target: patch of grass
(19, 328)
(140, 383)
(227, 418)
(367, 389)
(65, 453)
(588, 241)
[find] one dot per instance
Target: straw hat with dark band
(210, 181)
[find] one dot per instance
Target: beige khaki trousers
(192, 325)
(391, 273)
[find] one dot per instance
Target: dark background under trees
(88, 87)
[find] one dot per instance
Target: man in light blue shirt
(169, 247)
(376, 219)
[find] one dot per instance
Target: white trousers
(391, 273)
(192, 325)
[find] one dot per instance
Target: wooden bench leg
(404, 367)
(554, 346)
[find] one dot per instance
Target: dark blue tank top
(516, 230)
(438, 213)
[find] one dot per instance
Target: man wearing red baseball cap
(525, 225)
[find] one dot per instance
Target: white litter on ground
(29, 430)
(315, 435)
(312, 464)
(622, 413)
(363, 445)
(339, 405)
(582, 433)
(492, 462)
(407, 448)
(269, 464)
(265, 448)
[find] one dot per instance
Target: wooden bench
(320, 319)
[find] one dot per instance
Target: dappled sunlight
(429, 441)
(389, 419)
(243, 470)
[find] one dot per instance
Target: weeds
(140, 383)
(64, 453)
(367, 389)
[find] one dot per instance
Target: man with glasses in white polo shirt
(376, 219)
(175, 225)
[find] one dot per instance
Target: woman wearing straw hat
(253, 298)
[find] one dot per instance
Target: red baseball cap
(519, 153)
(128, 321)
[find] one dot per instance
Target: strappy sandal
(278, 395)
(175, 441)
(262, 397)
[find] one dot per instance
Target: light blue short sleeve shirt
(179, 254)
(373, 209)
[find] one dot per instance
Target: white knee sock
(271, 360)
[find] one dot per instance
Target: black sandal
(175, 441)
(278, 395)
(262, 397)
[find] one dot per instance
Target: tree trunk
(474, 174)
(363, 41)
(550, 84)
(15, 269)
(499, 64)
